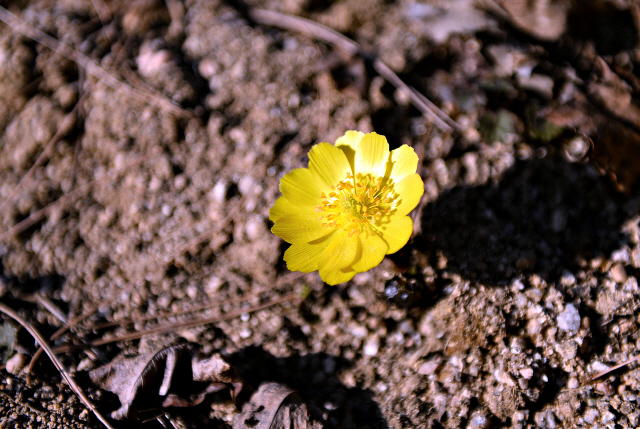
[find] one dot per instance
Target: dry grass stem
(45, 346)
(327, 35)
(88, 64)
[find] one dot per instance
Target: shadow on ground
(544, 216)
(318, 388)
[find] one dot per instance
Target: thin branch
(327, 35)
(613, 368)
(45, 346)
(163, 329)
(87, 63)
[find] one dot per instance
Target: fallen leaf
(448, 18)
(542, 19)
(274, 406)
(172, 377)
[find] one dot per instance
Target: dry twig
(88, 64)
(45, 346)
(613, 368)
(163, 329)
(327, 35)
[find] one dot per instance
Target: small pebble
(526, 373)
(569, 319)
(15, 363)
(591, 415)
(245, 333)
(371, 346)
(618, 273)
(608, 416)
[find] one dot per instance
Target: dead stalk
(45, 346)
(327, 35)
(87, 63)
(163, 329)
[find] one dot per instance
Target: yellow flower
(349, 208)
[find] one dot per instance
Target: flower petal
(335, 277)
(304, 256)
(372, 155)
(371, 251)
(350, 139)
(410, 190)
(340, 253)
(301, 186)
(328, 164)
(299, 227)
(348, 143)
(404, 162)
(397, 232)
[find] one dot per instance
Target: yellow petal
(410, 190)
(397, 232)
(299, 227)
(371, 251)
(350, 139)
(404, 162)
(340, 253)
(328, 164)
(337, 276)
(304, 256)
(372, 155)
(281, 207)
(301, 186)
(348, 143)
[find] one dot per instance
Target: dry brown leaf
(616, 144)
(172, 377)
(542, 19)
(274, 406)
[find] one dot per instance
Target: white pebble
(192, 291)
(219, 192)
(608, 416)
(569, 319)
(15, 363)
(245, 333)
(590, 415)
(371, 346)
(526, 373)
(598, 366)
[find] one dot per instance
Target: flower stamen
(358, 204)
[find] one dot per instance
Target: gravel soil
(518, 286)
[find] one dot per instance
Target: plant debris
(274, 406)
(172, 377)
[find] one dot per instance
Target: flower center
(357, 204)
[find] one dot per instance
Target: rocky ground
(518, 288)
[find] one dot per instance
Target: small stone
(618, 273)
(213, 285)
(634, 418)
(429, 367)
(15, 363)
(526, 373)
(569, 319)
(598, 366)
(245, 333)
(192, 291)
(572, 383)
(591, 415)
(219, 192)
(567, 349)
(608, 416)
(371, 346)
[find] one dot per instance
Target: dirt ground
(517, 288)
